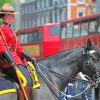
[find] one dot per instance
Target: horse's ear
(89, 43)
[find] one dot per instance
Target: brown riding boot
(21, 95)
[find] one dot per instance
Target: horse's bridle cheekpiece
(89, 64)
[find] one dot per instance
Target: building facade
(39, 12)
(79, 8)
(98, 6)
(16, 24)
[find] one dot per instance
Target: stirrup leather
(33, 74)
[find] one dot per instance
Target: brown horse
(56, 71)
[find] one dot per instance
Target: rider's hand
(34, 62)
(30, 58)
(13, 65)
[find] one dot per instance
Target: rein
(57, 74)
(89, 65)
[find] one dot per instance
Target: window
(63, 32)
(22, 38)
(26, 10)
(84, 28)
(69, 30)
(92, 26)
(34, 37)
(98, 25)
(76, 30)
(47, 3)
(64, 1)
(30, 37)
(29, 9)
(39, 37)
(54, 30)
(42, 4)
(80, 1)
(80, 12)
(22, 11)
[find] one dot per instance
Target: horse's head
(91, 60)
(63, 66)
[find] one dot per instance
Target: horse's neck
(57, 79)
(50, 82)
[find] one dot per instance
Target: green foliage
(5, 1)
(0, 21)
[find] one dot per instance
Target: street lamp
(55, 1)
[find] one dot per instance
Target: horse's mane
(67, 56)
(60, 57)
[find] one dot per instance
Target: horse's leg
(9, 96)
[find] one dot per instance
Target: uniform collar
(4, 23)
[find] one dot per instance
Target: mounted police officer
(11, 52)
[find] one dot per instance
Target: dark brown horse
(56, 71)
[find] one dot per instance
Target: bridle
(90, 60)
(42, 74)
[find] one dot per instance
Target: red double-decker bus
(40, 41)
(48, 39)
(75, 32)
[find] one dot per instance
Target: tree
(5, 1)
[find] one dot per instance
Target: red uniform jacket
(13, 44)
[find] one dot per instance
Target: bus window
(63, 32)
(98, 25)
(69, 30)
(54, 30)
(83, 32)
(79, 30)
(92, 26)
(84, 28)
(39, 37)
(76, 30)
(34, 37)
(30, 38)
(23, 38)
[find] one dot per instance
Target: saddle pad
(6, 85)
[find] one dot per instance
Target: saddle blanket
(6, 85)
